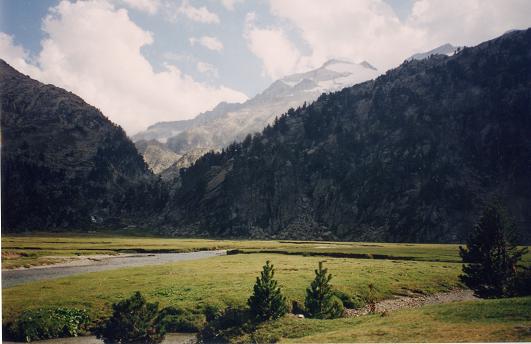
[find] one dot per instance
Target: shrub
(523, 282)
(267, 301)
(320, 301)
(352, 302)
(297, 307)
(491, 256)
(371, 298)
(233, 321)
(133, 321)
(38, 324)
(336, 309)
(175, 319)
(212, 312)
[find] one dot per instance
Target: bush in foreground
(491, 256)
(349, 301)
(175, 319)
(320, 300)
(133, 321)
(267, 301)
(49, 323)
(232, 322)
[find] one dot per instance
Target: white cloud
(148, 6)
(198, 14)
(16, 55)
(93, 50)
(207, 69)
(230, 4)
(361, 30)
(208, 42)
(468, 22)
(370, 30)
(278, 54)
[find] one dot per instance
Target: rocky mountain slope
(411, 156)
(156, 155)
(227, 123)
(64, 164)
(185, 161)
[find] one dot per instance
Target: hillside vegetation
(65, 165)
(412, 156)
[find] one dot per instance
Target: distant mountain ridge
(411, 156)
(64, 164)
(229, 122)
(445, 49)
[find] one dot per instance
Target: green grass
(474, 321)
(35, 246)
(227, 280)
(30, 250)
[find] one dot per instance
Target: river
(15, 277)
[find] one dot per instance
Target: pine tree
(267, 301)
(491, 256)
(320, 301)
(133, 321)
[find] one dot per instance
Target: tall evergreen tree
(491, 257)
(267, 301)
(320, 301)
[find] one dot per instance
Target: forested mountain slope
(411, 156)
(64, 164)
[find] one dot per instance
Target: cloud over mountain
(94, 50)
(371, 30)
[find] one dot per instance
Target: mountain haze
(227, 123)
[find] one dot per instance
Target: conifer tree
(491, 256)
(133, 321)
(320, 300)
(267, 301)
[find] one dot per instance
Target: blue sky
(237, 67)
(143, 61)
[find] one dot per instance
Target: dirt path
(415, 301)
(15, 277)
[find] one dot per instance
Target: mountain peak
(367, 65)
(445, 49)
(330, 64)
(336, 61)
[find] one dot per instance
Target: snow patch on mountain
(445, 49)
(229, 122)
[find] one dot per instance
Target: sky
(146, 61)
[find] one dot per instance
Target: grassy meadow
(399, 269)
(473, 321)
(227, 280)
(32, 250)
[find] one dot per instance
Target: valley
(321, 200)
(192, 285)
